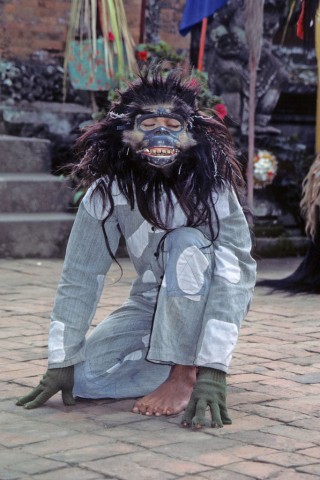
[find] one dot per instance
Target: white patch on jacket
(56, 349)
(137, 355)
(218, 343)
(227, 265)
(190, 269)
(139, 240)
(148, 277)
(94, 205)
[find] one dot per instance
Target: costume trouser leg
(116, 365)
(180, 316)
(117, 349)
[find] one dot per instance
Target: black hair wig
(195, 178)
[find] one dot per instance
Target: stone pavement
(273, 396)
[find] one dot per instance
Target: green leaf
(78, 196)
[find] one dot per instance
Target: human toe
(148, 410)
(136, 407)
(159, 411)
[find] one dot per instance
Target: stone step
(59, 119)
(280, 247)
(42, 235)
(34, 192)
(28, 155)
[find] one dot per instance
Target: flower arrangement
(264, 168)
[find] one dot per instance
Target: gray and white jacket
(87, 262)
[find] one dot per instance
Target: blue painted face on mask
(161, 131)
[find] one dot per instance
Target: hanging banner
(195, 11)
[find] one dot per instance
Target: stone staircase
(33, 203)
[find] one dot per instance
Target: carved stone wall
(226, 61)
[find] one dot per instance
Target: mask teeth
(161, 151)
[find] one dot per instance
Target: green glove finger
(30, 396)
(226, 420)
(67, 397)
(200, 416)
(42, 397)
(190, 411)
(215, 415)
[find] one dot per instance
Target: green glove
(209, 389)
(53, 381)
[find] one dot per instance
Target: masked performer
(306, 279)
(164, 175)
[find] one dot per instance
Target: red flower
(143, 55)
(192, 83)
(111, 37)
(221, 110)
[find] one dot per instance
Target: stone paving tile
(257, 470)
(312, 452)
(174, 466)
(189, 449)
(278, 414)
(301, 434)
(64, 445)
(290, 474)
(36, 464)
(92, 452)
(288, 459)
(6, 474)
(224, 475)
(277, 442)
(70, 473)
(128, 468)
(275, 417)
(309, 423)
(250, 451)
(310, 469)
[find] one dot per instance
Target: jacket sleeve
(86, 264)
(232, 285)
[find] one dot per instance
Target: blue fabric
(197, 10)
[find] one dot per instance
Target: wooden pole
(202, 43)
(142, 21)
(252, 93)
(317, 25)
(254, 32)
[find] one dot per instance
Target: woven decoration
(264, 168)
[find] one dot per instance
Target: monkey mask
(159, 136)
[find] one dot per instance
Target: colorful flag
(196, 10)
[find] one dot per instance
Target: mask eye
(148, 124)
(174, 124)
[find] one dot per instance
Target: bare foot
(172, 396)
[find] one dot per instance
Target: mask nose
(161, 131)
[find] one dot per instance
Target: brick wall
(27, 26)
(30, 26)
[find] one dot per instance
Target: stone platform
(273, 395)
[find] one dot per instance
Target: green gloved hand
(209, 389)
(53, 381)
